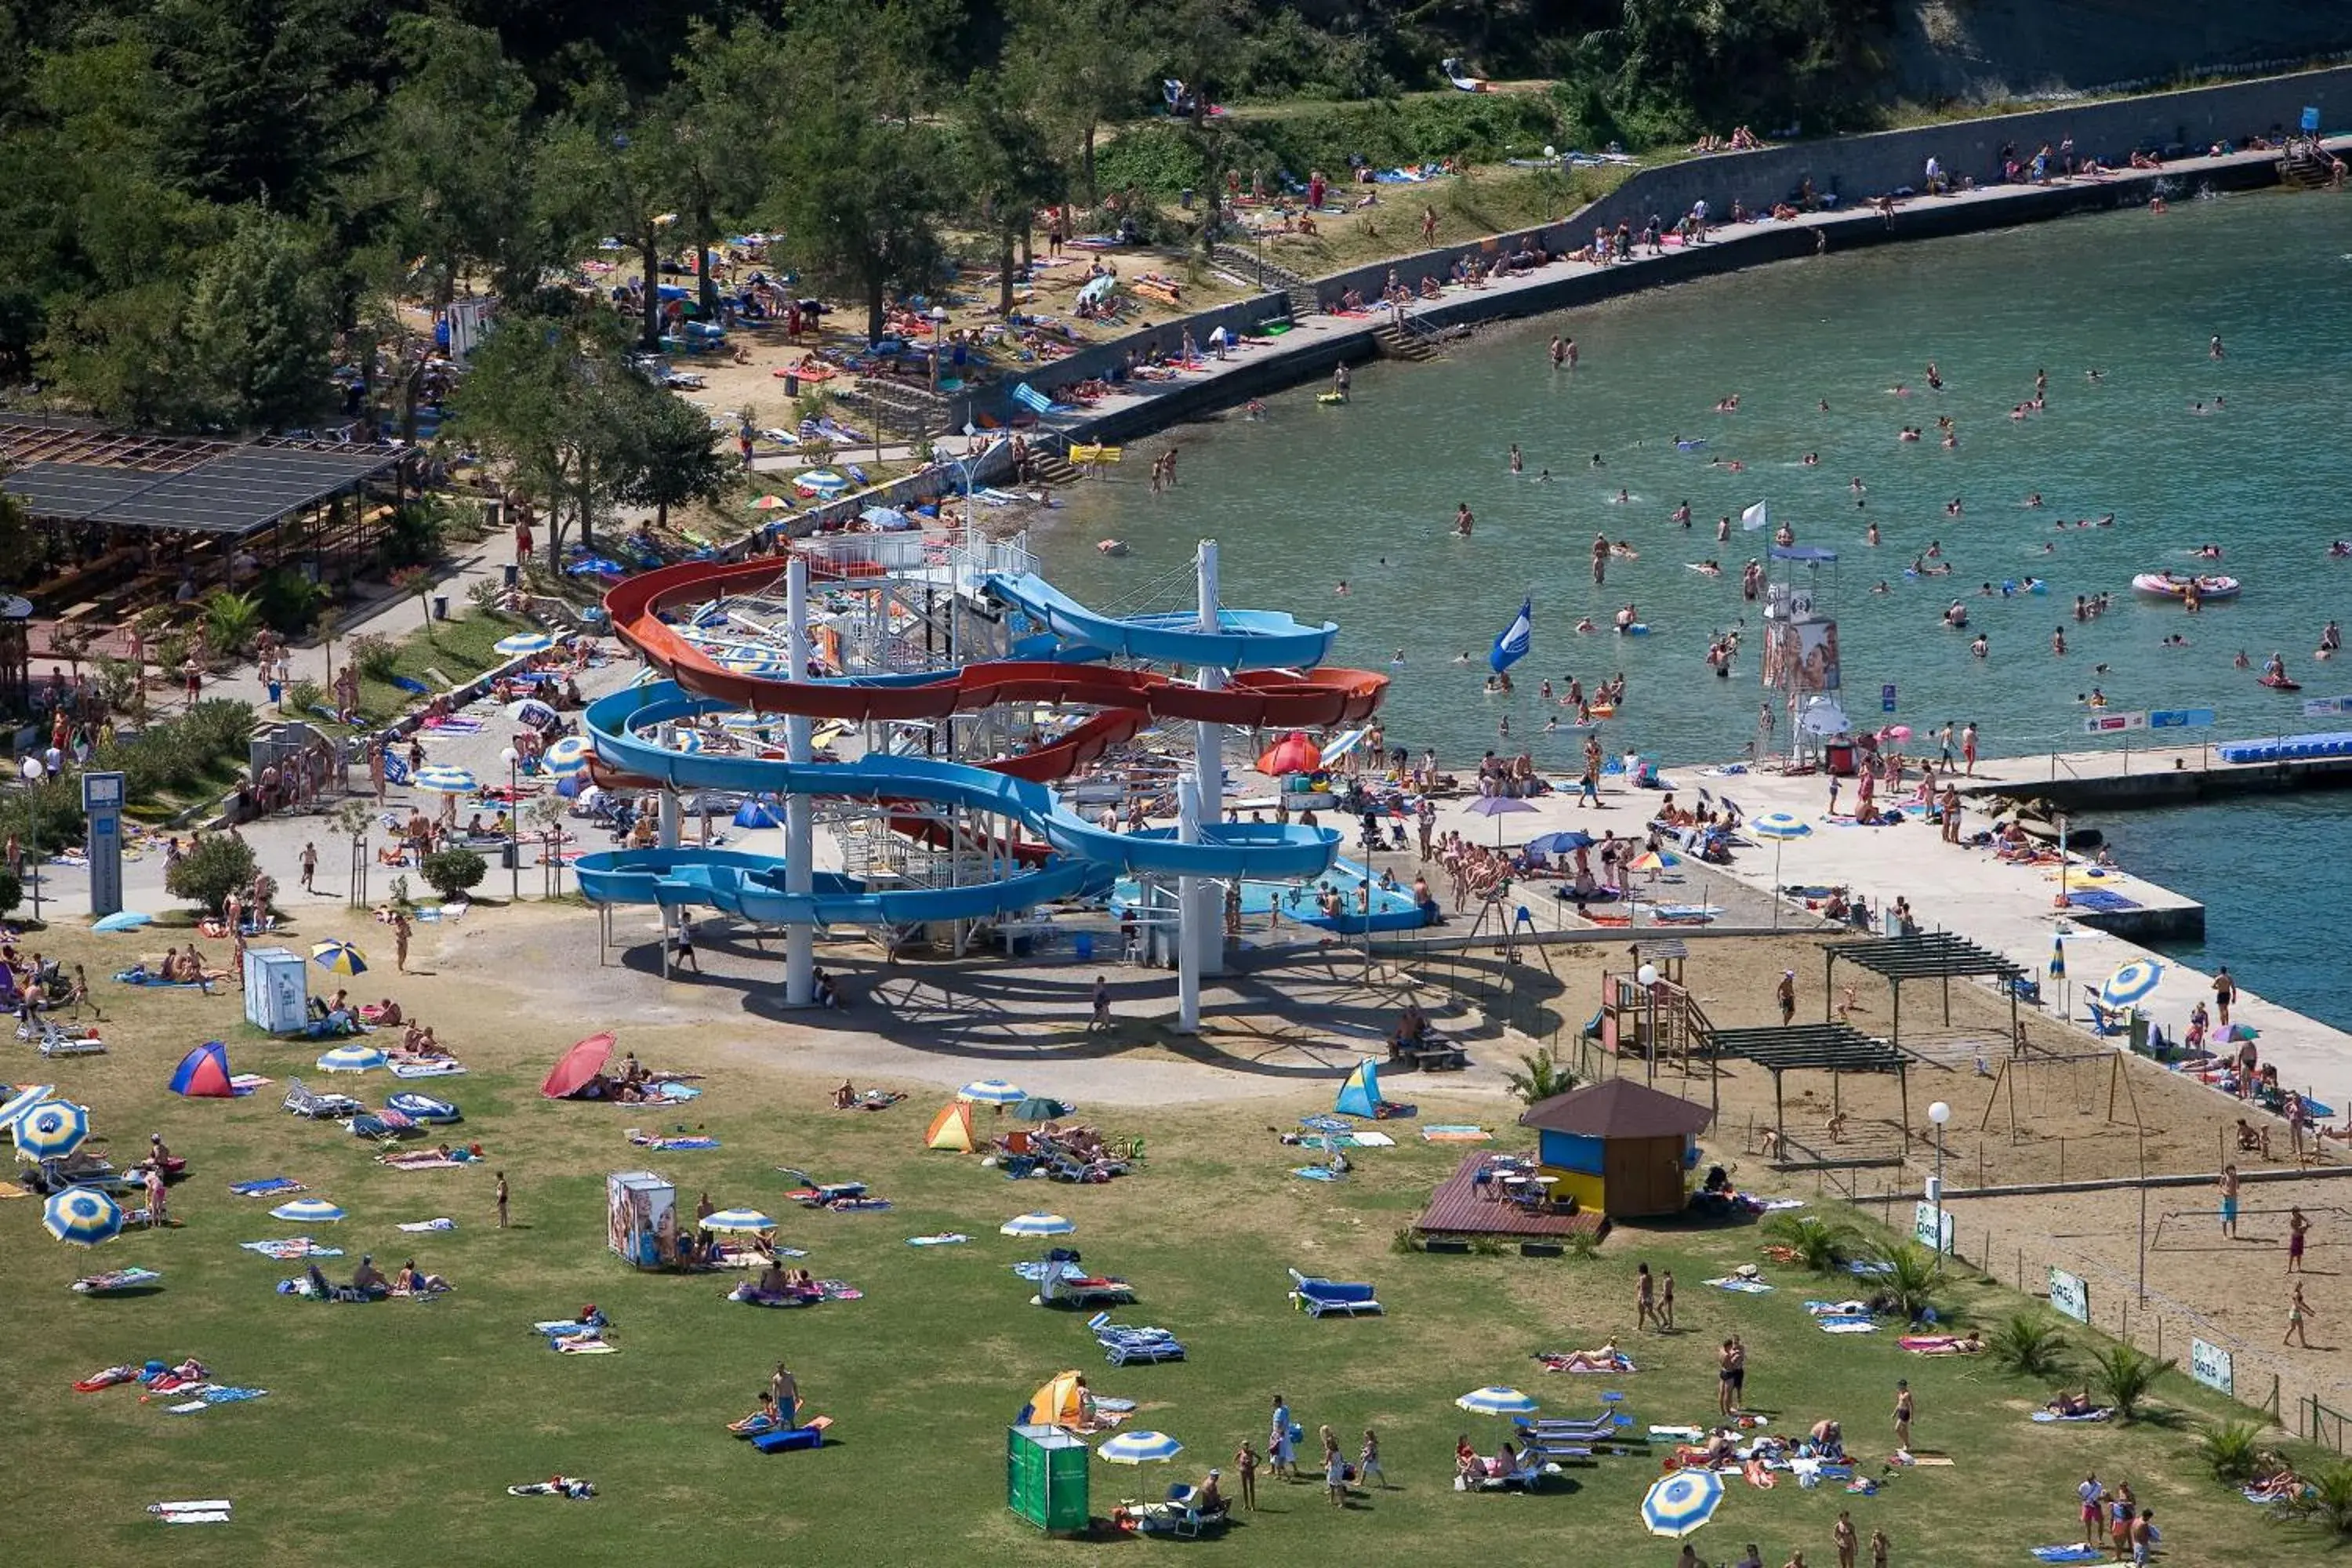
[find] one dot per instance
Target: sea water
(1316, 495)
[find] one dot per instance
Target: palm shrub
(1910, 1274)
(1822, 1245)
(1539, 1077)
(373, 655)
(231, 622)
(2329, 1498)
(2027, 1345)
(2122, 1374)
(2229, 1449)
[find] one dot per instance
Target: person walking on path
(2298, 1311)
(1904, 1407)
(2228, 1183)
(310, 867)
(1786, 995)
(502, 1196)
(2297, 1227)
(1101, 1019)
(1645, 1297)
(685, 958)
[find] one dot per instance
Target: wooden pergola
(1834, 1049)
(1930, 955)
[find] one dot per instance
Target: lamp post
(1939, 1113)
(514, 826)
(938, 331)
(1647, 976)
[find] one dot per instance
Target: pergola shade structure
(1930, 955)
(1833, 1048)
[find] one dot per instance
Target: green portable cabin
(1045, 1477)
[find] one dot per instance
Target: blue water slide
(753, 887)
(1245, 639)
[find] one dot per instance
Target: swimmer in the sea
(2034, 499)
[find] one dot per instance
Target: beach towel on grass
(2075, 1554)
(1847, 1325)
(439, 1067)
(217, 1394)
(671, 1143)
(1316, 1173)
(1745, 1287)
(558, 1486)
(268, 1187)
(2050, 1416)
(214, 1510)
(444, 1223)
(247, 1082)
(945, 1239)
(290, 1247)
(1449, 1133)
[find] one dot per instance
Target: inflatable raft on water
(2175, 585)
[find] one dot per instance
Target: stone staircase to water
(2307, 169)
(1268, 275)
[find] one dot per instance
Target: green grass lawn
(393, 1428)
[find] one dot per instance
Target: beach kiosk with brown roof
(1618, 1148)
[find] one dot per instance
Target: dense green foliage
(207, 205)
(211, 871)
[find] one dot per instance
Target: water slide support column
(800, 825)
(1200, 931)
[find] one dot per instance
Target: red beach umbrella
(1294, 753)
(579, 1066)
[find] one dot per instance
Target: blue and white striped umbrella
(738, 1219)
(445, 781)
(991, 1092)
(1139, 1448)
(1037, 1224)
(1682, 1502)
(23, 1101)
(1778, 825)
(308, 1211)
(2131, 983)
(2058, 957)
(1496, 1400)
(567, 756)
(524, 643)
(52, 1131)
(83, 1216)
(351, 1059)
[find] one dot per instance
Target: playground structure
(942, 666)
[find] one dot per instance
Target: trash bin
(792, 384)
(1083, 944)
(1838, 759)
(514, 575)
(2139, 1034)
(508, 860)
(440, 606)
(1184, 198)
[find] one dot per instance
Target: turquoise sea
(1315, 495)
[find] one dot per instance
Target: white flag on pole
(1753, 518)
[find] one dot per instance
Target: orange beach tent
(951, 1129)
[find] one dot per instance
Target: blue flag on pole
(1516, 639)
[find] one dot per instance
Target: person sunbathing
(1208, 1498)
(1720, 1448)
(368, 1280)
(763, 1419)
(1605, 1358)
(845, 1097)
(1828, 1438)
(410, 1282)
(2065, 1404)
(1505, 1461)
(388, 1014)
(2275, 1479)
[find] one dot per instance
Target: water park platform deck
(1458, 1208)
(2013, 909)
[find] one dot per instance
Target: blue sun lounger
(1122, 1343)
(1316, 1297)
